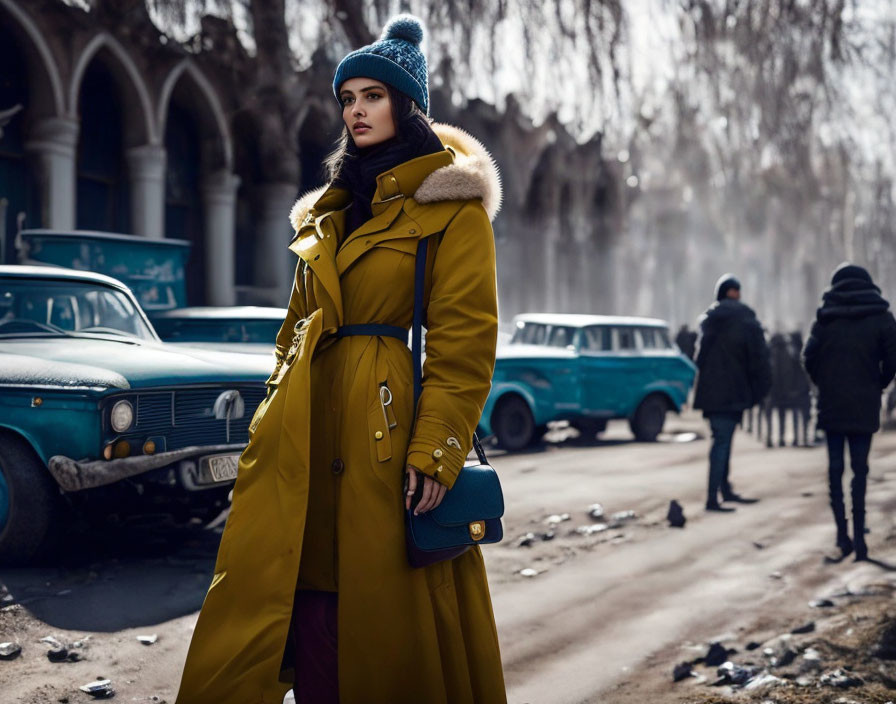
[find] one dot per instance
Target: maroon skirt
(314, 628)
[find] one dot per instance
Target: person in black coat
(734, 374)
(851, 357)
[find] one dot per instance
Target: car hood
(125, 364)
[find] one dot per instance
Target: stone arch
(315, 132)
(208, 111)
(142, 127)
(43, 73)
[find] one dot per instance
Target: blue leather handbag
(470, 514)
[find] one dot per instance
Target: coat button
(438, 469)
(338, 466)
(436, 454)
(378, 435)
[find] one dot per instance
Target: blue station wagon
(585, 369)
(97, 413)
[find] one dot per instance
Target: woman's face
(367, 111)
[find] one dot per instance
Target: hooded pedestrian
(312, 586)
(734, 374)
(851, 357)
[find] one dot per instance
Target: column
(219, 200)
(54, 141)
(146, 172)
(274, 266)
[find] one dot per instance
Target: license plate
(222, 468)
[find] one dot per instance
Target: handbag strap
(417, 334)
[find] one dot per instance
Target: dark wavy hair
(404, 110)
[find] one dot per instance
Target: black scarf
(360, 167)
(851, 298)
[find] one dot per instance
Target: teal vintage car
(98, 415)
(238, 328)
(586, 369)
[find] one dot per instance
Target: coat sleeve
(888, 344)
(760, 372)
(461, 336)
(810, 352)
(294, 314)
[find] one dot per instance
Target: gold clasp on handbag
(477, 530)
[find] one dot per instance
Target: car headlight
(122, 416)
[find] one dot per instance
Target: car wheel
(513, 423)
(649, 419)
(29, 503)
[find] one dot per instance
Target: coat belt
(373, 330)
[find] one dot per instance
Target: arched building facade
(127, 132)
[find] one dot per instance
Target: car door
(600, 368)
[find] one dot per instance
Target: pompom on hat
(395, 59)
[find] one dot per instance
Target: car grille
(186, 417)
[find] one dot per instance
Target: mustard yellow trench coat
(320, 483)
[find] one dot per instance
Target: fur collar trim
(473, 174)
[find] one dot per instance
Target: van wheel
(649, 419)
(513, 423)
(30, 505)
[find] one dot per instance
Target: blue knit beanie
(395, 59)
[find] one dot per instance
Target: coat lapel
(316, 244)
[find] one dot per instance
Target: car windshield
(40, 307)
(529, 334)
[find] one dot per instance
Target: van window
(598, 339)
(529, 334)
(649, 340)
(625, 339)
(561, 336)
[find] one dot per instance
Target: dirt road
(603, 619)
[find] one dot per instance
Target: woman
(851, 357)
(311, 580)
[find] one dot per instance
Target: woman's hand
(433, 492)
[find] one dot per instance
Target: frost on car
(588, 370)
(96, 413)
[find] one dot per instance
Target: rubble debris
(592, 529)
(596, 511)
(840, 678)
(729, 673)
(547, 535)
(556, 518)
(784, 658)
(681, 671)
(9, 651)
(621, 516)
(812, 655)
(821, 604)
(776, 575)
(525, 541)
(805, 628)
(148, 640)
(529, 572)
(51, 641)
(100, 689)
(57, 654)
(716, 655)
(758, 545)
(675, 516)
(764, 679)
(885, 648)
(752, 645)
